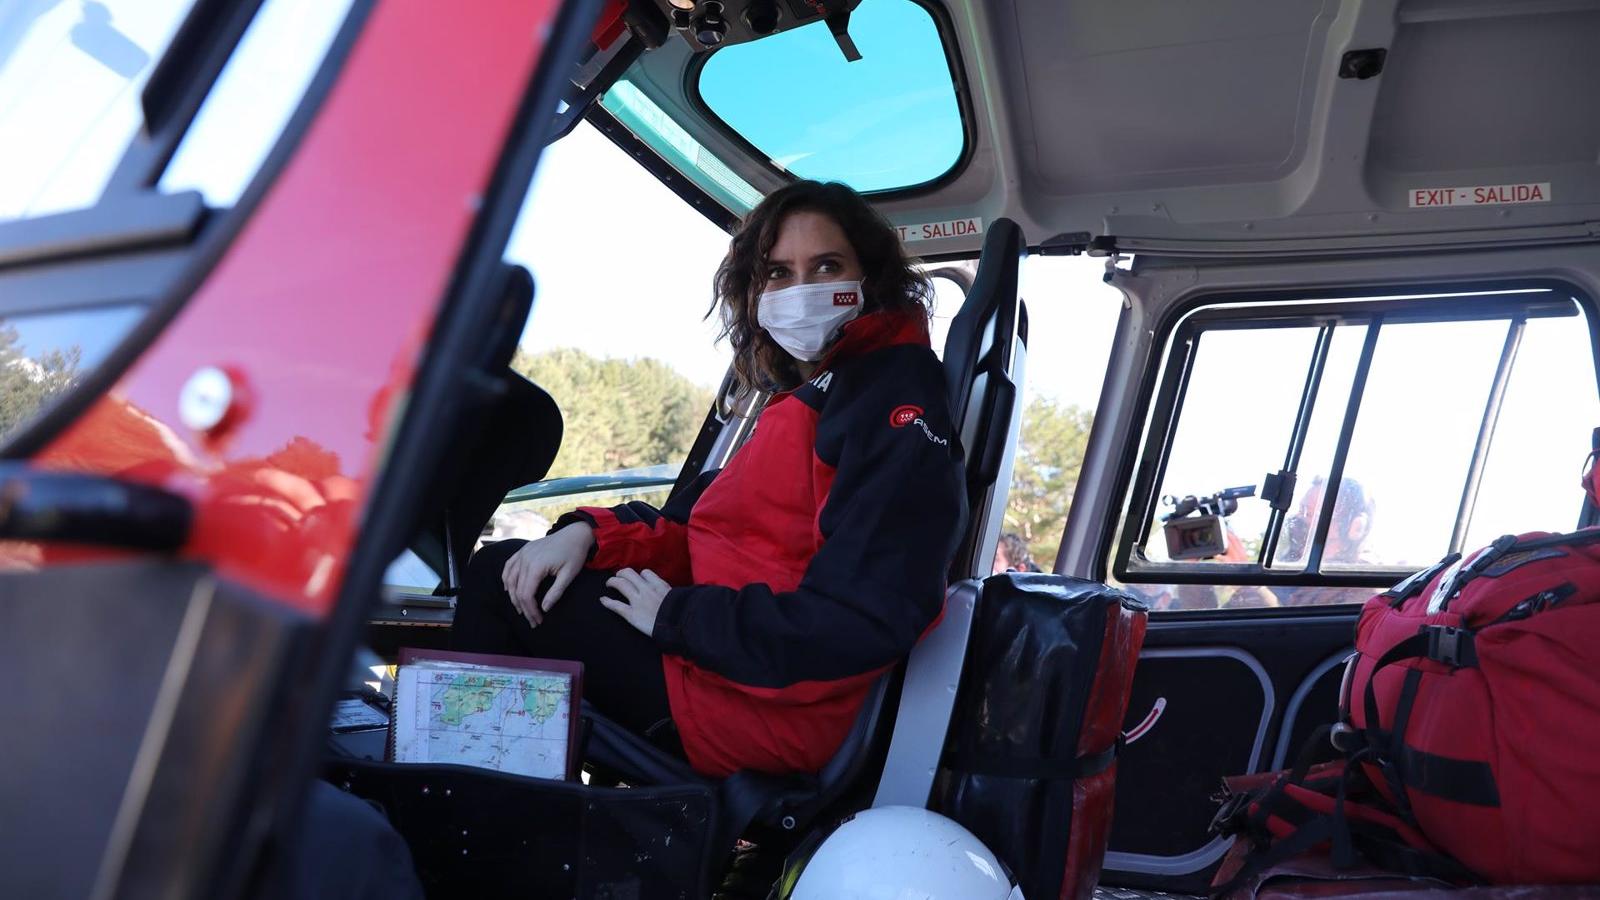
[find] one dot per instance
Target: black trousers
(344, 849)
(621, 666)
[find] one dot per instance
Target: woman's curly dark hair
(888, 280)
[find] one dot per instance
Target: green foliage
(1045, 474)
(26, 383)
(620, 413)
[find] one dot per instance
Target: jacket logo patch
(904, 415)
(822, 381)
(931, 436)
(911, 414)
(846, 298)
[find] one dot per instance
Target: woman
(754, 610)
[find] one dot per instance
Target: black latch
(1362, 64)
(1452, 646)
(1278, 489)
(1068, 243)
(1103, 245)
(1232, 816)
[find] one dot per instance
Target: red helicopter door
(191, 536)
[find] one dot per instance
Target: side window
(70, 81)
(70, 77)
(619, 333)
(42, 355)
(1304, 455)
(1072, 317)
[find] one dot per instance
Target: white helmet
(899, 853)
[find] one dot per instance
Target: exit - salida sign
(1481, 195)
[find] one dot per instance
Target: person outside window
(1012, 555)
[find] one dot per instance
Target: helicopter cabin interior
(1252, 309)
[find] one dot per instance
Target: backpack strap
(1507, 544)
(1460, 780)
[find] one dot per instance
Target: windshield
(887, 121)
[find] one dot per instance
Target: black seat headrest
(992, 299)
(511, 430)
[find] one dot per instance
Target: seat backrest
(984, 357)
(513, 432)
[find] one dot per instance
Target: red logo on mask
(845, 298)
(904, 415)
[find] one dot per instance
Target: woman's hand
(560, 555)
(644, 592)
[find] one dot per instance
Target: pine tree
(1044, 474)
(619, 413)
(26, 383)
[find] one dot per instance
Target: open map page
(510, 720)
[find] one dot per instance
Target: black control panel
(709, 24)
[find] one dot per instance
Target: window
(70, 77)
(71, 74)
(255, 94)
(651, 124)
(619, 334)
(1387, 433)
(1072, 317)
(44, 354)
(889, 120)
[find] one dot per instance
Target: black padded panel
(84, 649)
(1213, 707)
(87, 650)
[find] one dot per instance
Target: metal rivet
(205, 399)
(788, 823)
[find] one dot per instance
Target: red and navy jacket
(812, 562)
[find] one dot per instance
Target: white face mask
(804, 319)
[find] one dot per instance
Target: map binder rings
(513, 714)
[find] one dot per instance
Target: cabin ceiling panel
(1142, 94)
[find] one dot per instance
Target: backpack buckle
(1344, 738)
(1232, 816)
(1452, 646)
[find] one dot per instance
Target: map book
(513, 714)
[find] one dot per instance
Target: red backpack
(1470, 726)
(1473, 704)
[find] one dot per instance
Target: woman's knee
(483, 579)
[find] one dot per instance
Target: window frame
(136, 245)
(1143, 463)
(945, 27)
